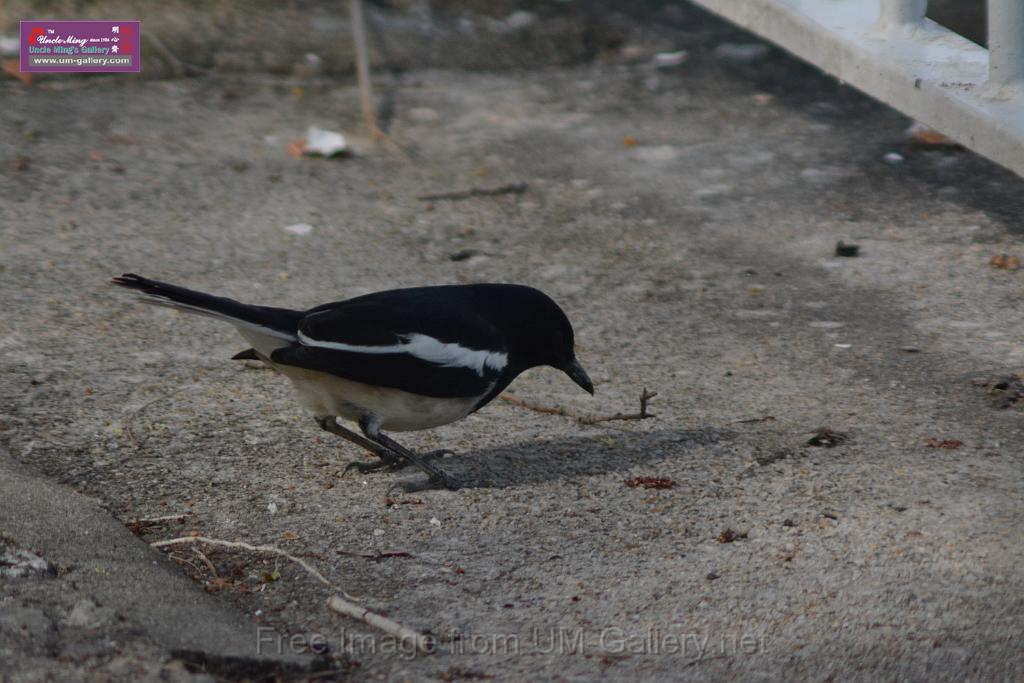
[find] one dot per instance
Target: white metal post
(895, 14)
(1006, 41)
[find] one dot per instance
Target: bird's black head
(563, 346)
(539, 333)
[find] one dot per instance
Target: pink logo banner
(85, 46)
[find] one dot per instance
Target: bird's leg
(391, 453)
(371, 428)
(388, 458)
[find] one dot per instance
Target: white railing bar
(898, 13)
(889, 51)
(1006, 42)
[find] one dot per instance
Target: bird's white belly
(398, 411)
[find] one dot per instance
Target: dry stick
(376, 556)
(181, 558)
(157, 520)
(244, 546)
(645, 398)
(537, 407)
(213, 570)
(512, 188)
(336, 603)
(141, 409)
(131, 418)
(422, 642)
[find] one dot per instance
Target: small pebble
(463, 255)
(299, 228)
(847, 250)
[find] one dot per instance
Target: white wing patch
(425, 348)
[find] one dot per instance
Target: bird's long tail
(279, 323)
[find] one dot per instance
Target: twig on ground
(131, 419)
(422, 642)
(403, 501)
(650, 483)
(209, 565)
(376, 556)
(537, 407)
(244, 546)
(141, 409)
(512, 188)
(645, 399)
(766, 418)
(157, 520)
(181, 558)
(137, 525)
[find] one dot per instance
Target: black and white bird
(398, 360)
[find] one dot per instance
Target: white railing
(888, 49)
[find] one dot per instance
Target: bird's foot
(436, 476)
(395, 464)
(392, 454)
(423, 461)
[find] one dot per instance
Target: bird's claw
(366, 467)
(424, 462)
(436, 476)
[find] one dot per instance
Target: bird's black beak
(579, 375)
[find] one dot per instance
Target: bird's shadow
(530, 462)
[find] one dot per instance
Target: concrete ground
(686, 219)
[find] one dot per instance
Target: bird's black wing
(415, 340)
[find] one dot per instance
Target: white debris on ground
(667, 60)
(324, 143)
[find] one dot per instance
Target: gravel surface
(686, 219)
